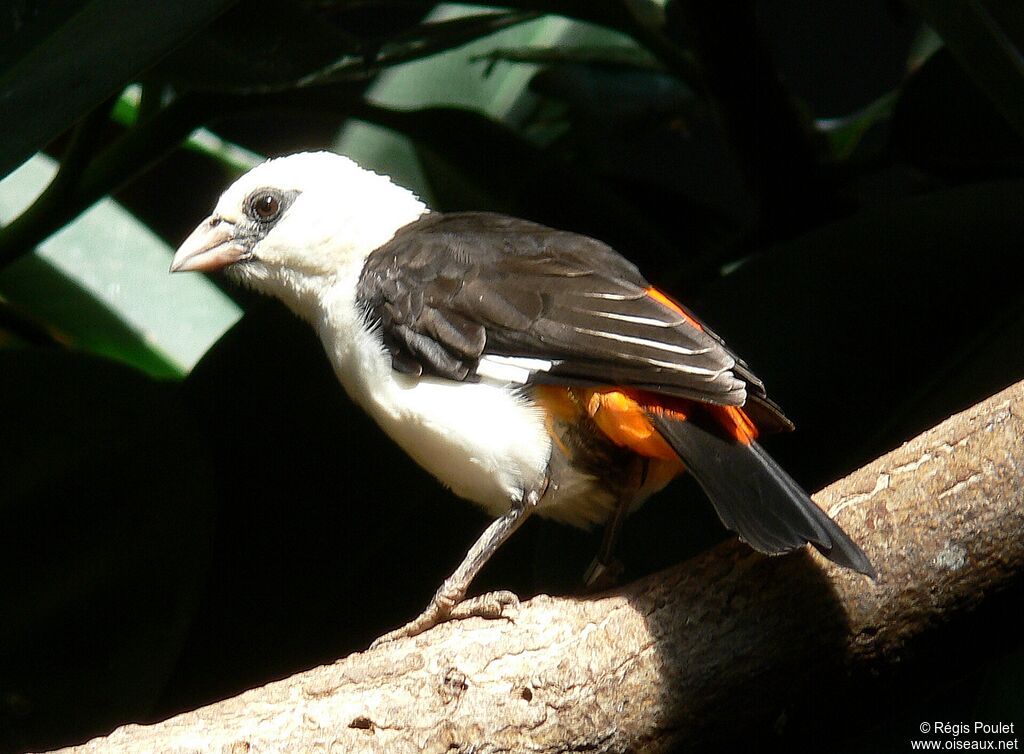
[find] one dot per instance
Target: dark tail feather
(755, 498)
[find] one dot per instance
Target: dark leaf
(990, 49)
(262, 44)
(82, 60)
(944, 123)
(107, 518)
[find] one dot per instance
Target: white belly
(484, 440)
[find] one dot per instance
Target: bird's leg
(605, 569)
(454, 588)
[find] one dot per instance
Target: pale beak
(212, 246)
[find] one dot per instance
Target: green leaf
(202, 140)
(451, 79)
(844, 134)
(103, 281)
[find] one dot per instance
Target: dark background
(165, 543)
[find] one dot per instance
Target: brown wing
(451, 290)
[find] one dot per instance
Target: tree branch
(680, 658)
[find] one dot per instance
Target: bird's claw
(490, 606)
(602, 575)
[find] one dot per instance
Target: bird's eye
(265, 206)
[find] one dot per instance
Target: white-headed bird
(528, 369)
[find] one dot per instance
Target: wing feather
(449, 290)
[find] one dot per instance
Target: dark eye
(265, 206)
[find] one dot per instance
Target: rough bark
(677, 658)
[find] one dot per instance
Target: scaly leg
(454, 588)
(605, 569)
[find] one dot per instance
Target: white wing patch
(650, 321)
(611, 296)
(517, 369)
(658, 345)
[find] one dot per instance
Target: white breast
(484, 440)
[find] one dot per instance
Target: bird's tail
(752, 494)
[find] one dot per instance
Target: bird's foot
(443, 608)
(492, 605)
(601, 575)
(438, 611)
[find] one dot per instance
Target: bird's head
(297, 222)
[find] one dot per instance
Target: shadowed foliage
(191, 507)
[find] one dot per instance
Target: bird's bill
(211, 246)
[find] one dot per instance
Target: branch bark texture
(681, 657)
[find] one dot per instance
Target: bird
(530, 370)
